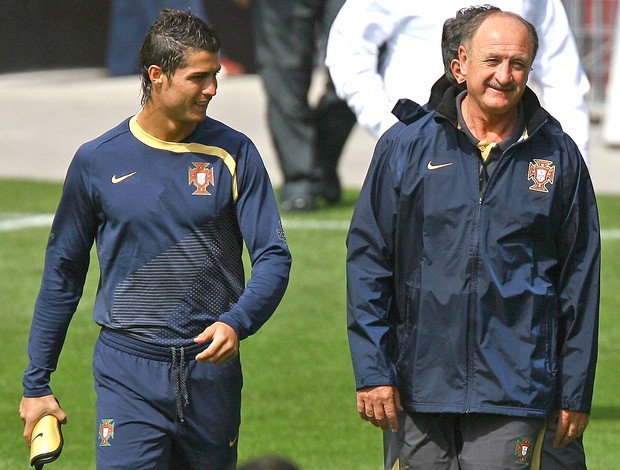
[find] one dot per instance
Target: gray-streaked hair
(452, 34)
(471, 27)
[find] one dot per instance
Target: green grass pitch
(298, 397)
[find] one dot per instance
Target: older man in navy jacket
(473, 270)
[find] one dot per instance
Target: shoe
(299, 204)
(328, 189)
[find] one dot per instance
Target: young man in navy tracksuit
(170, 197)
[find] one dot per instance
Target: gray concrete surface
(46, 115)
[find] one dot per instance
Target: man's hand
(571, 425)
(224, 343)
(379, 405)
(33, 409)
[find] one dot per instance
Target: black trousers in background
(290, 36)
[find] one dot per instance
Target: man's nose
(503, 73)
(210, 88)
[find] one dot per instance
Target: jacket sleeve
(352, 57)
(579, 289)
(261, 228)
(67, 258)
(559, 74)
(370, 272)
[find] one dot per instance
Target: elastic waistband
(148, 351)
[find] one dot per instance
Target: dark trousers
(163, 414)
(290, 36)
(435, 441)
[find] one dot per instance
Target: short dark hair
(168, 41)
(471, 27)
(452, 34)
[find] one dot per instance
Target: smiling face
(183, 97)
(496, 65)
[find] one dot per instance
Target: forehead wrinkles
(502, 36)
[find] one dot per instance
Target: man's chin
(199, 114)
(503, 101)
(498, 107)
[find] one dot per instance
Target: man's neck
(485, 127)
(160, 126)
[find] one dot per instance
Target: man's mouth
(498, 87)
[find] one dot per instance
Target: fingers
(205, 336)
(393, 411)
(560, 440)
(32, 409)
(216, 355)
(573, 433)
(571, 425)
(374, 415)
(379, 406)
(224, 344)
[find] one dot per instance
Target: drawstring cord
(178, 371)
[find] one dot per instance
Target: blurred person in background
(129, 22)
(380, 51)
(290, 37)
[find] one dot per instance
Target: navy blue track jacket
(468, 301)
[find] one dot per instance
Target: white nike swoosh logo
(430, 165)
(120, 179)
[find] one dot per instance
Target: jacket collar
(408, 111)
(443, 99)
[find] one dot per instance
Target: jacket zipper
(475, 263)
(472, 304)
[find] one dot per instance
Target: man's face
(496, 64)
(185, 96)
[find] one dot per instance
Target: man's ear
(155, 74)
(461, 65)
(455, 67)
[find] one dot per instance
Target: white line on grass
(315, 224)
(610, 234)
(17, 222)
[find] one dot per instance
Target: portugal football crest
(106, 432)
(523, 450)
(201, 176)
(542, 173)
